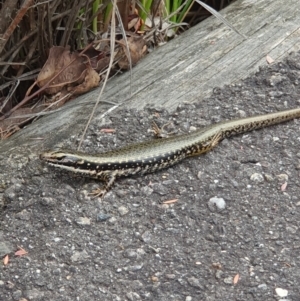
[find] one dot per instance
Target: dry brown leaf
(21, 252)
(6, 260)
(59, 58)
(102, 64)
(236, 279)
(170, 201)
(283, 186)
(137, 48)
(77, 75)
(91, 80)
(98, 55)
(135, 23)
(108, 130)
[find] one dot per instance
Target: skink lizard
(154, 155)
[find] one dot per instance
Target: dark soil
(132, 246)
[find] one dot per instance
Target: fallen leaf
(108, 130)
(98, 55)
(6, 260)
(170, 201)
(76, 74)
(137, 48)
(134, 22)
(21, 252)
(58, 59)
(91, 80)
(283, 186)
(236, 279)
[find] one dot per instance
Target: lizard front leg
(108, 177)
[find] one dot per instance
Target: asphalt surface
(132, 245)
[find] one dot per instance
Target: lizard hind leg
(161, 132)
(209, 145)
(215, 140)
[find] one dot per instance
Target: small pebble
(282, 177)
(5, 247)
(160, 189)
(218, 203)
(219, 274)
(228, 280)
(170, 276)
(263, 286)
(242, 113)
(133, 268)
(269, 178)
(130, 253)
(146, 236)
(79, 256)
(83, 221)
(200, 175)
(292, 229)
(50, 202)
(132, 296)
(147, 190)
(257, 177)
(112, 220)
(281, 292)
(123, 210)
(17, 295)
(193, 281)
(102, 217)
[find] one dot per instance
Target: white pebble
(218, 202)
(123, 210)
(257, 177)
(83, 221)
(281, 292)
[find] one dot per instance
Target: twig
(21, 12)
(112, 45)
(11, 92)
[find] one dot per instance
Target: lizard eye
(68, 159)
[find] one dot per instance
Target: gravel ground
(231, 234)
